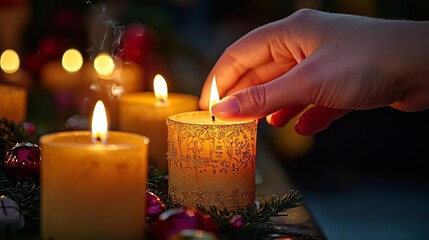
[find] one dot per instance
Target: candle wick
(213, 118)
(98, 139)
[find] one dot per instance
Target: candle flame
(104, 65)
(160, 89)
(99, 123)
(214, 95)
(72, 60)
(9, 61)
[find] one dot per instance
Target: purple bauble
(23, 161)
(154, 206)
(28, 128)
(237, 222)
(173, 221)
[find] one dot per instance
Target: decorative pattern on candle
(211, 163)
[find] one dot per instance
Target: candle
(63, 76)
(107, 79)
(12, 74)
(13, 103)
(146, 113)
(211, 162)
(91, 189)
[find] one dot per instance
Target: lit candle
(12, 74)
(93, 184)
(211, 162)
(63, 76)
(108, 79)
(13, 103)
(147, 112)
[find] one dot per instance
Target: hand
(336, 62)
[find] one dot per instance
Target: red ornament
(23, 161)
(154, 206)
(237, 222)
(28, 128)
(136, 43)
(193, 235)
(173, 221)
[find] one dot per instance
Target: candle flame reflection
(104, 65)
(9, 61)
(214, 95)
(99, 124)
(72, 60)
(160, 89)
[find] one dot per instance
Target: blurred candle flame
(104, 65)
(214, 95)
(99, 124)
(160, 89)
(72, 60)
(9, 61)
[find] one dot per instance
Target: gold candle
(146, 114)
(13, 103)
(211, 162)
(93, 190)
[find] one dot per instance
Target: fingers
(300, 86)
(253, 50)
(260, 75)
(284, 115)
(317, 119)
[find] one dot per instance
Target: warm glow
(9, 61)
(99, 123)
(72, 60)
(214, 95)
(160, 88)
(104, 65)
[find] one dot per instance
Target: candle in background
(12, 74)
(211, 162)
(107, 79)
(93, 184)
(63, 76)
(13, 103)
(147, 112)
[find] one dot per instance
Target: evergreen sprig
(27, 197)
(257, 217)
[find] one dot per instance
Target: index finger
(250, 51)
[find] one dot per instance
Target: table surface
(297, 224)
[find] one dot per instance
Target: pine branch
(258, 219)
(27, 197)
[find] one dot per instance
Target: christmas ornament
(154, 206)
(173, 221)
(189, 234)
(136, 43)
(22, 161)
(10, 216)
(28, 129)
(237, 222)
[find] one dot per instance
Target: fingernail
(227, 107)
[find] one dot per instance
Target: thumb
(294, 87)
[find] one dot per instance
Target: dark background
(364, 177)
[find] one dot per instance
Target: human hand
(336, 62)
